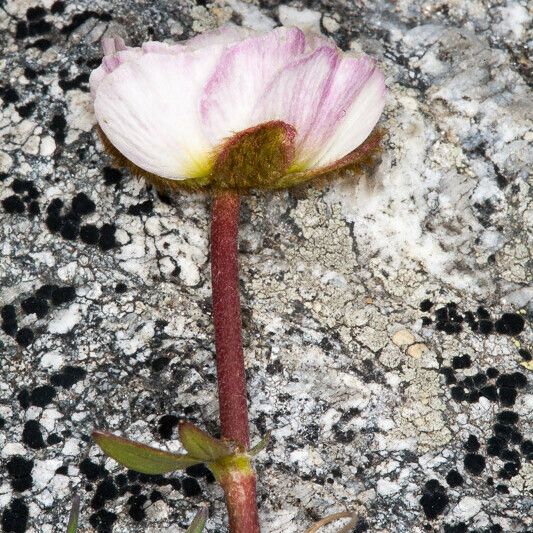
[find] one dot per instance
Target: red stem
(227, 318)
(240, 488)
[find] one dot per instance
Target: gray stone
(329, 276)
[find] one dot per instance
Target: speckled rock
(386, 317)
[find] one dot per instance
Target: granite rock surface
(386, 316)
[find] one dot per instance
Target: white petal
(109, 64)
(148, 109)
(240, 79)
(296, 96)
(358, 121)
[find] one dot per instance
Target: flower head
(238, 109)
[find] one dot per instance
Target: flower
(236, 108)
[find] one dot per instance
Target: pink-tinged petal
(297, 95)
(148, 109)
(227, 34)
(357, 119)
(110, 45)
(243, 72)
(109, 64)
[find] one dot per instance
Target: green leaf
(198, 524)
(139, 457)
(201, 445)
(74, 514)
(261, 445)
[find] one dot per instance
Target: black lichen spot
(13, 205)
(57, 7)
(9, 95)
(68, 376)
(103, 521)
(509, 470)
(19, 469)
(508, 418)
(507, 396)
(426, 305)
(91, 470)
(510, 324)
(89, 234)
(35, 13)
(30, 73)
(441, 314)
(525, 354)
(54, 222)
(490, 392)
(166, 425)
(42, 396)
(78, 81)
(136, 509)
(9, 319)
(474, 463)
(485, 327)
(15, 517)
(34, 305)
(39, 27)
(160, 363)
(21, 31)
(58, 125)
(458, 393)
(41, 44)
(434, 499)
(200, 471)
(454, 479)
(503, 431)
(502, 489)
(53, 439)
(82, 204)
(106, 490)
(190, 487)
(24, 398)
(449, 374)
(479, 379)
(45, 291)
(24, 337)
(473, 396)
(112, 176)
(33, 209)
(455, 528)
(26, 110)
(143, 208)
(121, 288)
(492, 372)
(32, 436)
(482, 312)
(472, 444)
(63, 295)
(461, 361)
(495, 446)
(69, 230)
(107, 237)
(155, 496)
(426, 321)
